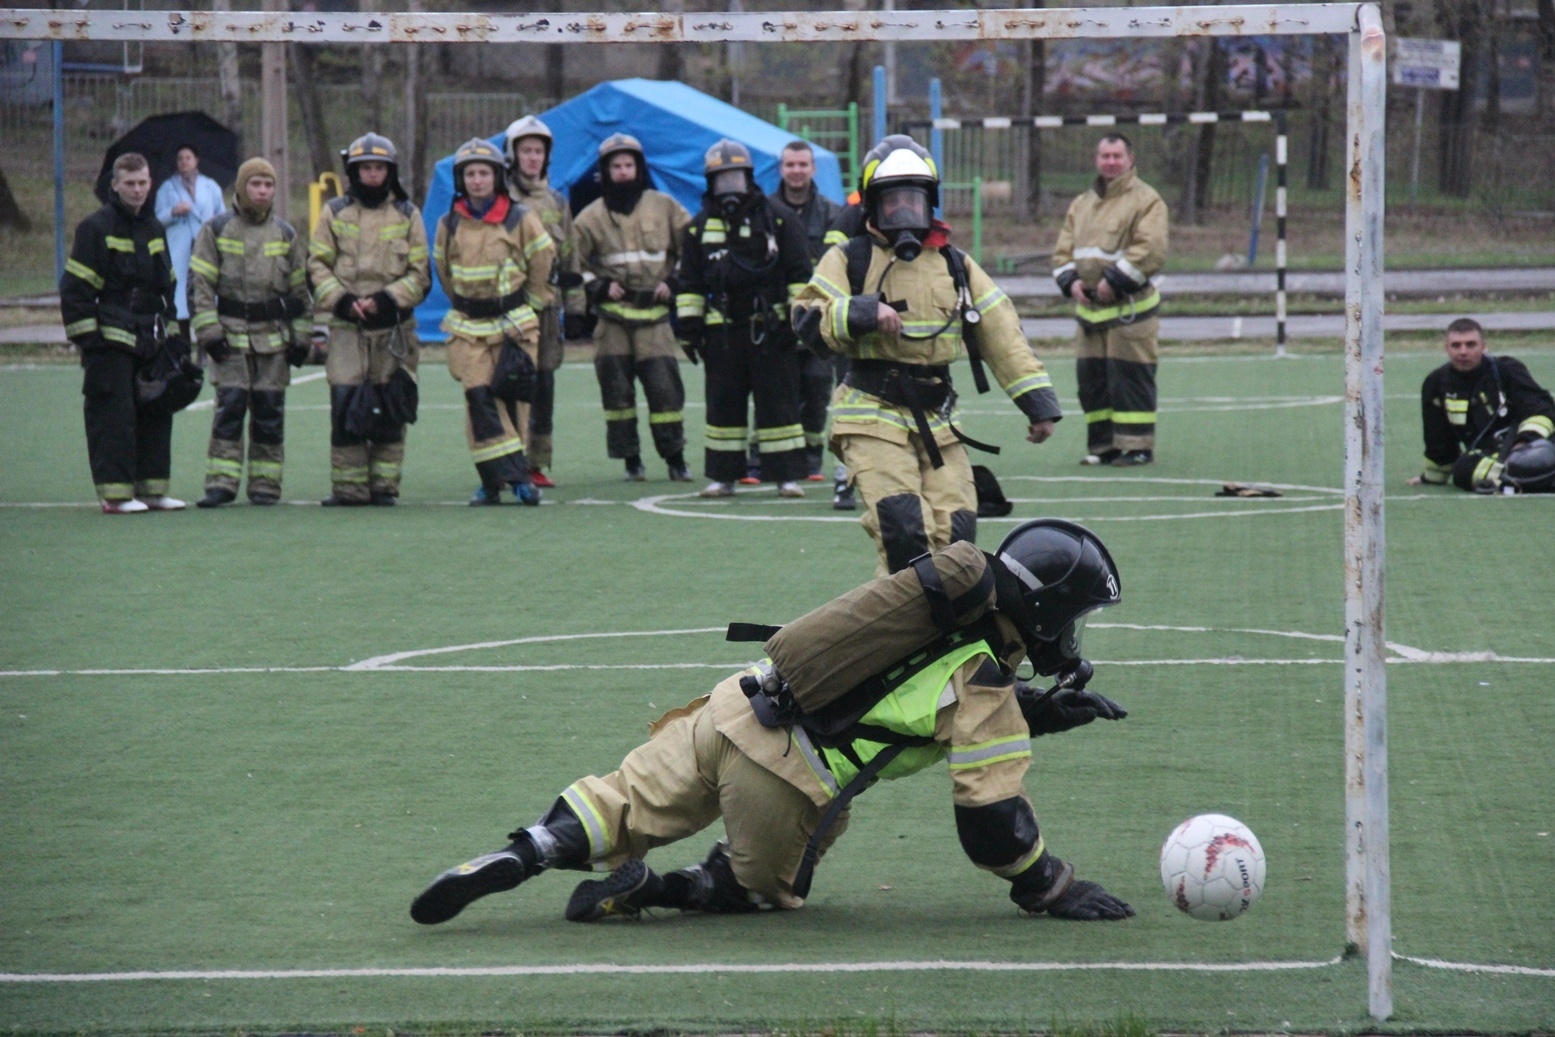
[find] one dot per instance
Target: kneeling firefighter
(370, 267)
(251, 311)
(741, 263)
(901, 302)
(494, 259)
(883, 682)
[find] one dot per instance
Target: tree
(305, 81)
(11, 215)
(1031, 106)
(1545, 97)
(1465, 21)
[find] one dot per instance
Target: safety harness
(919, 387)
(838, 724)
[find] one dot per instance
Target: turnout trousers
(818, 375)
(490, 427)
(253, 385)
(360, 467)
(909, 505)
(130, 451)
(738, 370)
(683, 779)
(649, 355)
(1116, 371)
(542, 413)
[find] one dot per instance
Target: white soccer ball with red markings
(1212, 867)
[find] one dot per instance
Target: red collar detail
(494, 215)
(939, 235)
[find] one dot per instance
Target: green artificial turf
(280, 821)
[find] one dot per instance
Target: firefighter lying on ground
(782, 786)
(1487, 423)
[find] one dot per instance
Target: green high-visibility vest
(908, 710)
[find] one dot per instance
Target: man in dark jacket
(1487, 423)
(817, 216)
(741, 263)
(116, 292)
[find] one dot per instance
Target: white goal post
(1368, 901)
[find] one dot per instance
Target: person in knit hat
(251, 312)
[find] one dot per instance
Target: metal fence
(100, 108)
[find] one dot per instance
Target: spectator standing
(1112, 243)
(185, 201)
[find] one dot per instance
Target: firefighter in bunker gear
(529, 145)
(1478, 413)
(901, 302)
(819, 371)
(1112, 243)
(114, 298)
(494, 259)
(782, 793)
(628, 243)
(370, 266)
(251, 312)
(741, 263)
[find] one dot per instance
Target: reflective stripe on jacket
(364, 250)
(238, 260)
(506, 254)
(1116, 231)
(636, 250)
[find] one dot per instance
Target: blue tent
(676, 125)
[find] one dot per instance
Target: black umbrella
(159, 138)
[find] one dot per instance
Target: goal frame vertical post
(1368, 897)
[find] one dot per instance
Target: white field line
(1230, 404)
(707, 968)
(1458, 966)
(311, 376)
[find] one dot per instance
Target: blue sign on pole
(880, 101)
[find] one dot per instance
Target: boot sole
(595, 899)
(456, 889)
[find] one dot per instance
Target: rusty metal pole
(273, 123)
(1367, 872)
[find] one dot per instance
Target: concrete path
(1318, 282)
(1329, 326)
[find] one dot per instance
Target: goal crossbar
(660, 27)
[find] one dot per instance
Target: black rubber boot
(621, 894)
(709, 886)
(459, 887)
(216, 497)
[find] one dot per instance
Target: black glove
(1068, 708)
(343, 308)
(576, 326)
(693, 339)
(218, 349)
(598, 290)
(298, 352)
(1088, 902)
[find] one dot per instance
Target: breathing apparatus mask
(904, 217)
(729, 189)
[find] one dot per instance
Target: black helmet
(1055, 573)
(1531, 467)
(730, 174)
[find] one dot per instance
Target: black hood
(622, 198)
(372, 197)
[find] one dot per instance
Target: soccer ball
(1212, 867)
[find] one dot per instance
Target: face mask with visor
(729, 187)
(903, 216)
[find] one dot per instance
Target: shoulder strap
(751, 632)
(859, 249)
(288, 232)
(220, 220)
(405, 207)
(862, 780)
(955, 262)
(515, 216)
(338, 204)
